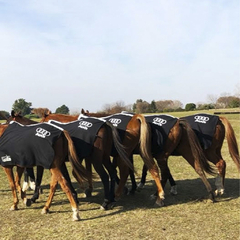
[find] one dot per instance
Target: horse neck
(60, 118)
(3, 128)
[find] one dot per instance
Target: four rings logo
(42, 133)
(115, 121)
(85, 125)
(201, 119)
(159, 121)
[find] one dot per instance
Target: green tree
(190, 107)
(22, 106)
(152, 107)
(62, 110)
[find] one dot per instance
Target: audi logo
(85, 124)
(159, 121)
(201, 118)
(43, 132)
(115, 121)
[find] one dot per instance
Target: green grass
(189, 215)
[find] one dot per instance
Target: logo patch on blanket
(204, 125)
(29, 145)
(160, 128)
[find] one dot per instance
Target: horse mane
(98, 114)
(40, 111)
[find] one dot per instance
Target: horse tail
(145, 141)
(79, 171)
(119, 146)
(196, 149)
(231, 140)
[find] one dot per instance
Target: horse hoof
(76, 217)
(140, 186)
(28, 202)
(88, 193)
(13, 208)
(44, 211)
(107, 205)
(159, 203)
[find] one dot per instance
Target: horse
(99, 156)
(181, 138)
(62, 147)
(221, 129)
(28, 171)
(137, 135)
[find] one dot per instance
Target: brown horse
(107, 136)
(137, 135)
(28, 172)
(182, 139)
(63, 146)
(223, 129)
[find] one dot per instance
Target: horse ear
(12, 113)
(82, 111)
(87, 111)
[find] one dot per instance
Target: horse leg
(31, 178)
(112, 173)
(105, 181)
(22, 193)
(143, 178)
(172, 182)
(88, 191)
(25, 181)
(40, 171)
(10, 176)
(217, 159)
(56, 176)
(67, 177)
(190, 159)
(132, 177)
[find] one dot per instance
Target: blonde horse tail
(231, 140)
(79, 171)
(145, 142)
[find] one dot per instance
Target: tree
(22, 106)
(190, 107)
(4, 115)
(152, 107)
(62, 110)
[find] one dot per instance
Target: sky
(88, 54)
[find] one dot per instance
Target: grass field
(189, 215)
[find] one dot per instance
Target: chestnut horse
(138, 134)
(181, 139)
(28, 171)
(63, 146)
(223, 129)
(99, 157)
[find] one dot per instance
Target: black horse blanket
(160, 128)
(28, 146)
(204, 125)
(83, 133)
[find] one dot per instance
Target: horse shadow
(189, 191)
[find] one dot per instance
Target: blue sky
(86, 54)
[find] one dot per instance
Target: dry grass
(189, 215)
